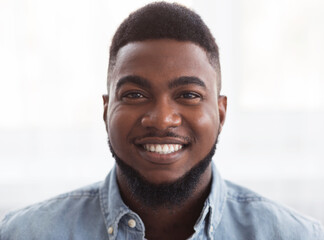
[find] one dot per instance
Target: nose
(161, 116)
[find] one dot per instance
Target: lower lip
(158, 158)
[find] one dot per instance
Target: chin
(162, 176)
(162, 187)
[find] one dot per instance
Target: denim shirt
(98, 212)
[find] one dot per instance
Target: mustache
(165, 134)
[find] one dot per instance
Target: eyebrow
(142, 82)
(135, 80)
(186, 81)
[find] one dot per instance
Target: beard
(163, 195)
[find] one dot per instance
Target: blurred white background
(53, 60)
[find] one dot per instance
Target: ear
(222, 106)
(105, 99)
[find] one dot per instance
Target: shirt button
(131, 223)
(211, 229)
(110, 230)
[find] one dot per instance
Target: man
(163, 114)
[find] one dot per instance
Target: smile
(162, 148)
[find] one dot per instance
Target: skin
(168, 98)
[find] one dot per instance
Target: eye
(190, 95)
(190, 98)
(133, 95)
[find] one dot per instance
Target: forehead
(163, 59)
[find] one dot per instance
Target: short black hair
(161, 20)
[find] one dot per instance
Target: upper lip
(160, 140)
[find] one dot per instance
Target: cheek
(205, 125)
(119, 125)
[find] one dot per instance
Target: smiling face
(163, 113)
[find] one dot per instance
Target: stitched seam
(75, 196)
(102, 209)
(221, 211)
(245, 198)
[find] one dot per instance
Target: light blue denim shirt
(98, 212)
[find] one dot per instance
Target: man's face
(163, 113)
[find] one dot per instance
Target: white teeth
(158, 148)
(151, 148)
(171, 148)
(162, 148)
(165, 148)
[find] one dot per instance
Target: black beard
(164, 195)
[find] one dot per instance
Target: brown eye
(190, 98)
(190, 95)
(133, 95)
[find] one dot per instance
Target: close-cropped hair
(161, 20)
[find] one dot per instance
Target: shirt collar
(113, 207)
(214, 205)
(216, 199)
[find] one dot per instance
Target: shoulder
(52, 215)
(263, 216)
(56, 203)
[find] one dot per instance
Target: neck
(174, 222)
